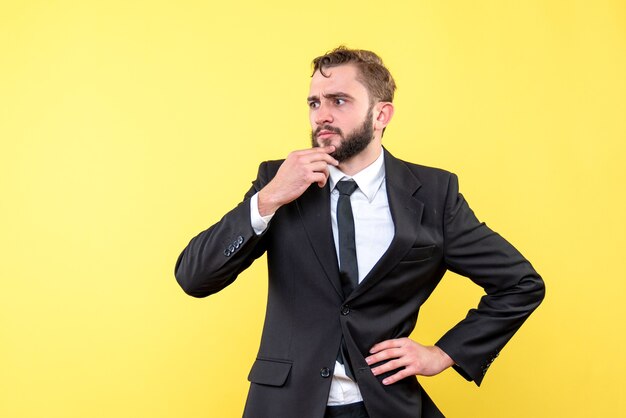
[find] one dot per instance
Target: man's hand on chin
(410, 357)
(299, 170)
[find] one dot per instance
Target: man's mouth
(326, 131)
(325, 134)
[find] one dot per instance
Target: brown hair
(372, 73)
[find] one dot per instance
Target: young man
(356, 241)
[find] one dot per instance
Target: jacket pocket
(419, 254)
(271, 372)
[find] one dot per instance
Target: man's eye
(314, 105)
(339, 102)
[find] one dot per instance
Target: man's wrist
(446, 360)
(266, 204)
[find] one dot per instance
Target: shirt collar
(369, 179)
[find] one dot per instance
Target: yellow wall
(128, 126)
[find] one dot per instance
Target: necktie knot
(346, 187)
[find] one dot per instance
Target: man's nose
(323, 115)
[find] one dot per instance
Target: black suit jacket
(435, 231)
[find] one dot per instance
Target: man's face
(340, 112)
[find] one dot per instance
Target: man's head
(371, 72)
(350, 101)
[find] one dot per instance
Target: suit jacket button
(231, 248)
(239, 240)
(227, 252)
(325, 372)
(345, 310)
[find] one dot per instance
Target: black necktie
(348, 268)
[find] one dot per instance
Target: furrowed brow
(338, 95)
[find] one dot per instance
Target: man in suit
(356, 241)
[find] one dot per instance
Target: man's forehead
(337, 79)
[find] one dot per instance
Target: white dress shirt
(374, 231)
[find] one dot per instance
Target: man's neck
(362, 160)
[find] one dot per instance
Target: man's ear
(383, 112)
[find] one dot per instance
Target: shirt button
(325, 372)
(345, 310)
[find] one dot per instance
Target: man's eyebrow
(337, 95)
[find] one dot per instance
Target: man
(356, 241)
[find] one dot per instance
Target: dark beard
(354, 143)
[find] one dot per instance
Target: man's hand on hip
(410, 357)
(299, 170)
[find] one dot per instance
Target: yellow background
(126, 127)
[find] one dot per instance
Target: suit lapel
(314, 208)
(406, 212)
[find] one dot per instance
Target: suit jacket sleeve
(513, 288)
(215, 257)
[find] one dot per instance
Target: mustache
(328, 128)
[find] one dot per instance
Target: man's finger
(385, 355)
(395, 377)
(321, 156)
(326, 174)
(318, 166)
(323, 150)
(327, 149)
(314, 157)
(387, 367)
(319, 178)
(386, 344)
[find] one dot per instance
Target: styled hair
(372, 73)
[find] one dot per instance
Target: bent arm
(214, 258)
(513, 288)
